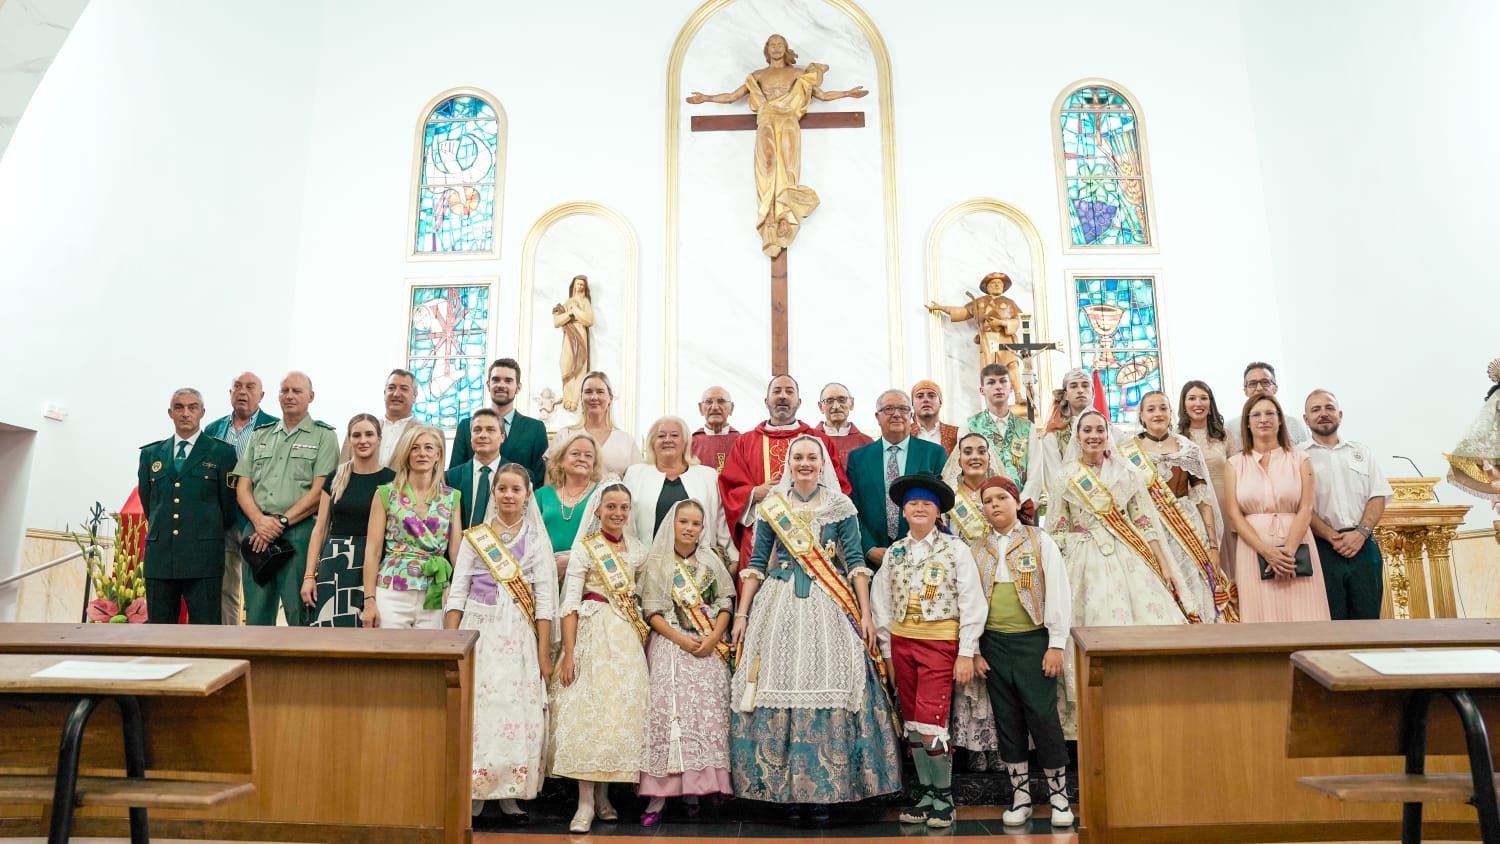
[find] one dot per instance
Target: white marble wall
(837, 289)
(54, 595)
(968, 248)
(31, 33)
(592, 245)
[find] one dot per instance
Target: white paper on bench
(78, 669)
(1431, 661)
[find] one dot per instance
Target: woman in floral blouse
(413, 536)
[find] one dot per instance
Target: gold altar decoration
(1415, 537)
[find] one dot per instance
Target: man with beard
(400, 393)
(712, 442)
(835, 404)
(1349, 496)
(926, 403)
(524, 438)
(245, 395)
(1048, 446)
(758, 457)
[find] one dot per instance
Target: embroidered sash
(617, 580)
(966, 516)
(1166, 507)
(1024, 560)
(503, 567)
(800, 542)
(1101, 502)
(687, 596)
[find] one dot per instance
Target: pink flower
(101, 610)
(136, 612)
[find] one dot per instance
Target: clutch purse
(1304, 564)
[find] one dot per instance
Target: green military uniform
(188, 508)
(280, 466)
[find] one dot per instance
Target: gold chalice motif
(1105, 320)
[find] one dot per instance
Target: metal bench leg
(65, 793)
(1414, 740)
(1481, 766)
(135, 760)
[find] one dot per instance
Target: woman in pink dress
(1269, 501)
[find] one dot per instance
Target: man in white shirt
(1030, 608)
(475, 477)
(400, 394)
(1260, 380)
(1349, 497)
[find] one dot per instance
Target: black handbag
(265, 564)
(1304, 564)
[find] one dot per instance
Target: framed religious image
(1116, 320)
(448, 328)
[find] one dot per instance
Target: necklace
(1154, 438)
(569, 510)
(507, 532)
(800, 497)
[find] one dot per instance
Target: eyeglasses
(1260, 385)
(835, 400)
(898, 409)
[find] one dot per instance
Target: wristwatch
(1364, 529)
(282, 518)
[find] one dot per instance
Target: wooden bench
(199, 734)
(1342, 707)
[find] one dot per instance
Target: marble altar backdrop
(580, 238)
(969, 241)
(843, 290)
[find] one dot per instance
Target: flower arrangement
(120, 588)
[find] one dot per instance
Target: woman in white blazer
(670, 474)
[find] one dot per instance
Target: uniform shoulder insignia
(153, 444)
(265, 425)
(321, 424)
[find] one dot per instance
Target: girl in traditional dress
(600, 688)
(687, 597)
(333, 586)
(414, 531)
(1178, 483)
(503, 586)
(971, 464)
(812, 722)
(1110, 540)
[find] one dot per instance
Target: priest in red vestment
(712, 442)
(758, 457)
(836, 404)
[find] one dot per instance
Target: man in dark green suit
(186, 490)
(474, 478)
(525, 438)
(872, 468)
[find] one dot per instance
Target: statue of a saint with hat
(999, 321)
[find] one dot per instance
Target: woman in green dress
(572, 474)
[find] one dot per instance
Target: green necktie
(482, 497)
(181, 455)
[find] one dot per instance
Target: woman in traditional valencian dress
(812, 723)
(971, 464)
(504, 587)
(1474, 464)
(1111, 543)
(1177, 480)
(687, 596)
(1270, 504)
(600, 688)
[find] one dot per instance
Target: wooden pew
(195, 722)
(1343, 707)
(1183, 734)
(357, 735)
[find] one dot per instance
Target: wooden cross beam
(746, 122)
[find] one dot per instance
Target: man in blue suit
(474, 477)
(873, 467)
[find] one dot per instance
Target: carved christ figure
(779, 95)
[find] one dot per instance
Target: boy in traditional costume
(928, 615)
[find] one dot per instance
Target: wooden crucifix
(779, 95)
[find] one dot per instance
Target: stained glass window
(1104, 169)
(1117, 336)
(446, 348)
(456, 184)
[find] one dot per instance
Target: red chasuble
(746, 468)
(713, 449)
(846, 443)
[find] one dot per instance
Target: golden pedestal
(1415, 535)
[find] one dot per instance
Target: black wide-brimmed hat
(926, 481)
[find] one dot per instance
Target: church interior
(697, 194)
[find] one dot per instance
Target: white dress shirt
(390, 435)
(972, 606)
(933, 436)
(191, 441)
(1057, 602)
(1345, 478)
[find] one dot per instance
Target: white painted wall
(257, 158)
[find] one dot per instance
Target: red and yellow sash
(800, 542)
(617, 579)
(1166, 507)
(966, 516)
(503, 567)
(687, 596)
(1101, 502)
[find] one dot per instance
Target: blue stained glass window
(447, 347)
(1104, 169)
(456, 186)
(1117, 335)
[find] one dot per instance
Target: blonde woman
(572, 473)
(413, 532)
(334, 583)
(617, 448)
(671, 474)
